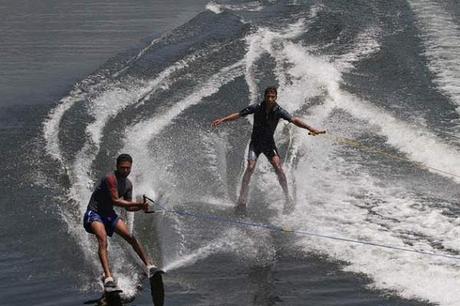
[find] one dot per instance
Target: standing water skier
(115, 189)
(266, 117)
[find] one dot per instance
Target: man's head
(270, 95)
(124, 163)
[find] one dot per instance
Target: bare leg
(276, 163)
(99, 230)
(245, 183)
(122, 230)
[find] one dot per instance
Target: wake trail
(441, 37)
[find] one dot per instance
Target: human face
(270, 98)
(124, 168)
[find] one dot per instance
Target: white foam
(218, 8)
(441, 37)
(261, 42)
(214, 7)
(365, 45)
(330, 207)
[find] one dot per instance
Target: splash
(140, 134)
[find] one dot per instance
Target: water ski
(156, 286)
(107, 299)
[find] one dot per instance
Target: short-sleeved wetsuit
(264, 127)
(100, 206)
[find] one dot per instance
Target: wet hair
(270, 89)
(123, 158)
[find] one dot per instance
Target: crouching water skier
(115, 189)
(266, 117)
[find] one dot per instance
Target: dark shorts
(255, 150)
(109, 221)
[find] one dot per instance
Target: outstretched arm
(303, 125)
(230, 117)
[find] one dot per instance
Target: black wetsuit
(264, 127)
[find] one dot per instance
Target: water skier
(115, 189)
(266, 117)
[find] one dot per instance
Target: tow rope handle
(148, 211)
(314, 134)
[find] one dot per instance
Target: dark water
(47, 46)
(381, 73)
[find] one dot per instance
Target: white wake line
(442, 42)
(54, 119)
(129, 97)
(219, 8)
(420, 145)
(136, 57)
(52, 123)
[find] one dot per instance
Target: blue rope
(275, 228)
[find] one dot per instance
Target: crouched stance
(115, 189)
